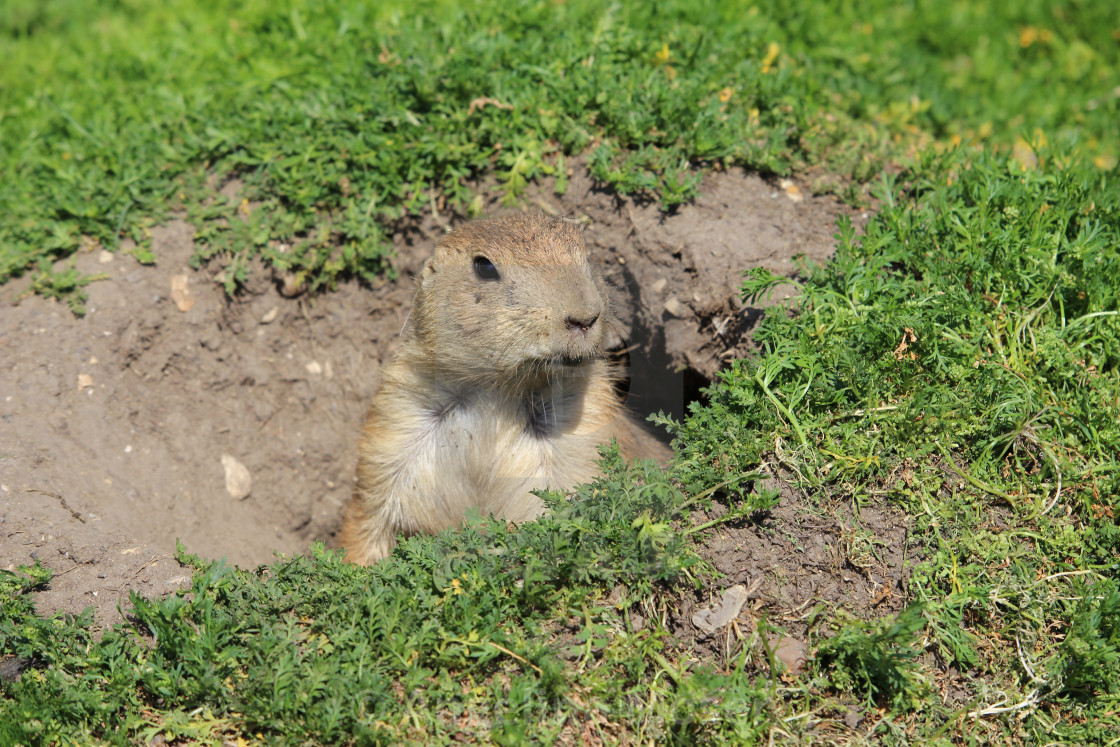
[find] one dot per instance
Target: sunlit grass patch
(338, 118)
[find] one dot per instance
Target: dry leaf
(180, 293)
(483, 101)
(793, 192)
(908, 339)
(730, 604)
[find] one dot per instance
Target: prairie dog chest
(495, 442)
(477, 430)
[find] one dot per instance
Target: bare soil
(800, 563)
(114, 426)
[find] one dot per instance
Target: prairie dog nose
(581, 321)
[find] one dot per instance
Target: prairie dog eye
(484, 269)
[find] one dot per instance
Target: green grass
(960, 360)
(475, 622)
(1004, 402)
(341, 117)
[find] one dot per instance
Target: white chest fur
(485, 450)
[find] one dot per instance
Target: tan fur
(499, 388)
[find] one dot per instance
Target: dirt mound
(121, 430)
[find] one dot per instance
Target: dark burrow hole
(656, 381)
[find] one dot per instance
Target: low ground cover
(957, 361)
(342, 118)
(975, 387)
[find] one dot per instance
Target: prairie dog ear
(427, 272)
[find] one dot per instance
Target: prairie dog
(499, 387)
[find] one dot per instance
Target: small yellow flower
(772, 53)
(1104, 161)
(661, 58)
(725, 95)
(1029, 35)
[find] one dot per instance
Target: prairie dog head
(506, 301)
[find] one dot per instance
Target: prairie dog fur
(499, 387)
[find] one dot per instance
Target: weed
(876, 659)
(65, 285)
(1088, 661)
